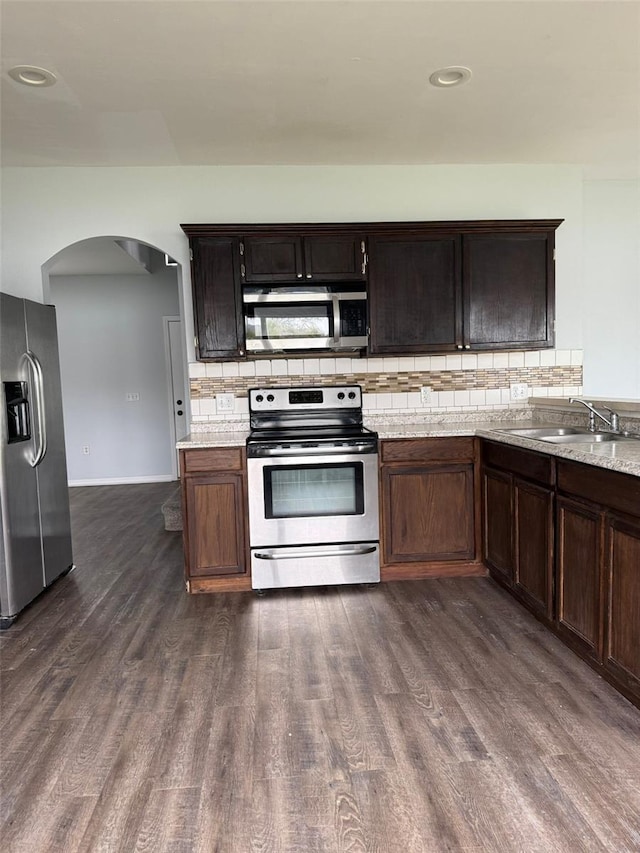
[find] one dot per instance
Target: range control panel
(305, 399)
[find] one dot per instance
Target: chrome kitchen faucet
(613, 423)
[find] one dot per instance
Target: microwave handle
(335, 299)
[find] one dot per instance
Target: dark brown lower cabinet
(497, 487)
(428, 498)
(579, 576)
(621, 654)
(214, 519)
(518, 501)
(533, 545)
(587, 587)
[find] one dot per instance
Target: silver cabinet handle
(42, 418)
(296, 555)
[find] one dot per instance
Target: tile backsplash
(463, 382)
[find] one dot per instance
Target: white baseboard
(124, 481)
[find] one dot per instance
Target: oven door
(308, 500)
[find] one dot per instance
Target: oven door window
(300, 491)
(289, 321)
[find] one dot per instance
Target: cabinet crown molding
(462, 226)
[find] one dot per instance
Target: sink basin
(547, 431)
(586, 438)
(567, 435)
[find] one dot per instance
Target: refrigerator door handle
(42, 418)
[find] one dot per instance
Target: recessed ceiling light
(31, 75)
(453, 75)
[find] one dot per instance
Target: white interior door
(177, 383)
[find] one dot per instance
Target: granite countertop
(623, 456)
(215, 438)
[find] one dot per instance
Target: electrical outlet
(519, 391)
(225, 402)
(86, 450)
(133, 396)
(425, 395)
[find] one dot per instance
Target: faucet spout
(613, 423)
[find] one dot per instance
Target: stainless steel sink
(587, 438)
(547, 431)
(568, 435)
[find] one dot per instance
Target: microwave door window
(288, 322)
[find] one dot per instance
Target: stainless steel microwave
(305, 317)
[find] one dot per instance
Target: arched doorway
(121, 359)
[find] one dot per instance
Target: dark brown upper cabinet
(508, 290)
(290, 257)
(415, 301)
(433, 287)
(217, 297)
(489, 288)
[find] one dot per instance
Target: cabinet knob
(180, 411)
(308, 275)
(459, 346)
(467, 346)
(299, 275)
(240, 352)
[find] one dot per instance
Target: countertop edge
(626, 460)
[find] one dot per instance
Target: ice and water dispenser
(17, 406)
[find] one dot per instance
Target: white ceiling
(202, 82)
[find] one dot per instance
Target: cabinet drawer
(527, 463)
(213, 459)
(427, 450)
(608, 488)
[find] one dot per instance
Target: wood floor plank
(291, 815)
(226, 793)
(121, 807)
(169, 821)
(272, 744)
(186, 731)
(612, 810)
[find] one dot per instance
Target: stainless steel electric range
(313, 488)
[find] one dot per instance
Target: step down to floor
(172, 511)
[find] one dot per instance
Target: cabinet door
(414, 294)
(217, 298)
(533, 515)
(497, 500)
(622, 619)
(578, 576)
(272, 259)
(508, 287)
(215, 525)
(428, 513)
(338, 258)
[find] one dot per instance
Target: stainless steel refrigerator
(35, 528)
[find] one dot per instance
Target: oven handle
(296, 555)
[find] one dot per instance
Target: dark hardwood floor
(420, 716)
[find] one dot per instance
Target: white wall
(46, 209)
(611, 301)
(111, 340)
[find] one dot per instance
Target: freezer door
(21, 575)
(51, 472)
